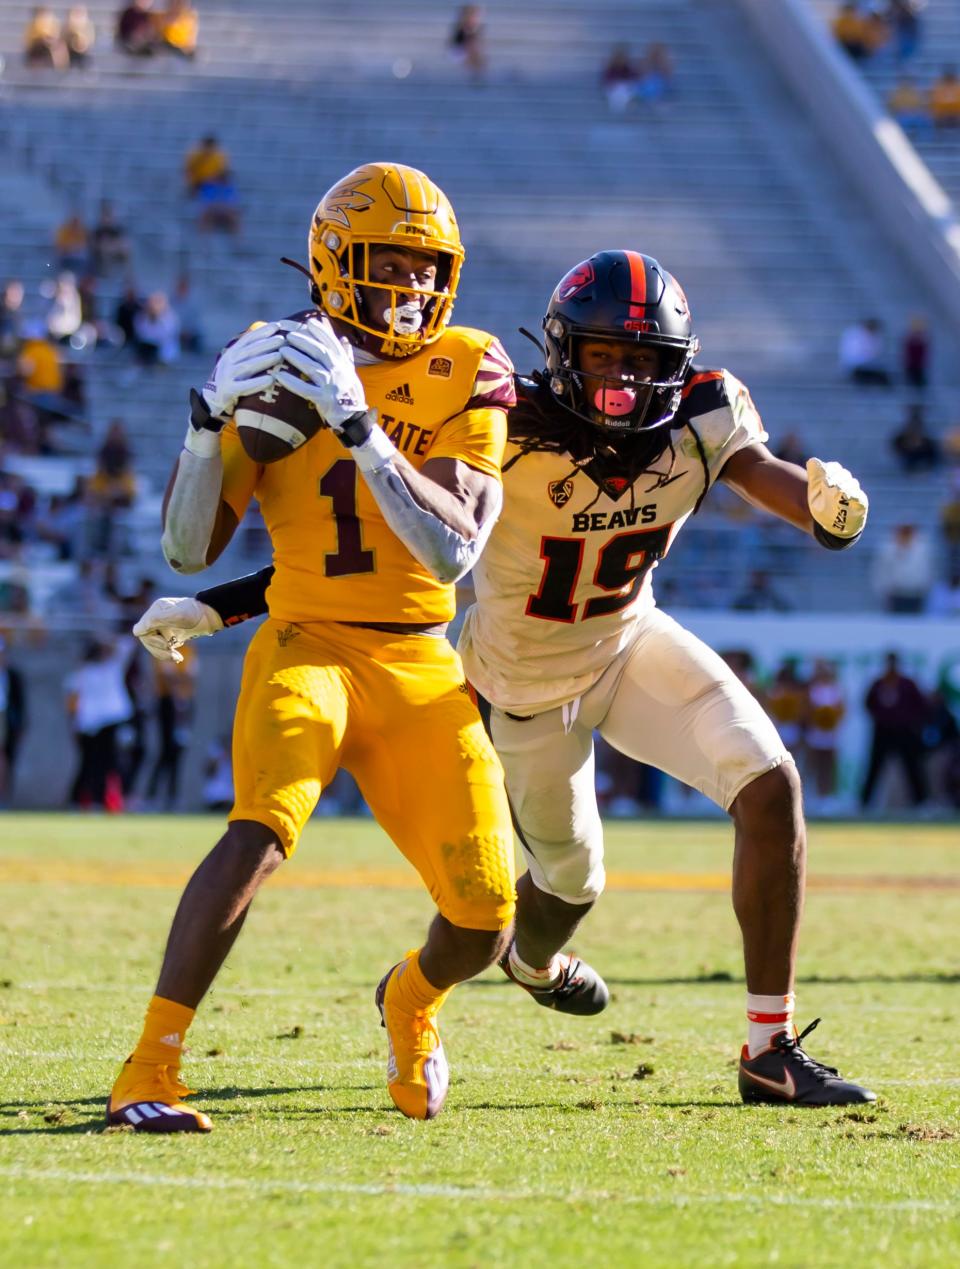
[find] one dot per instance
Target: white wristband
(201, 441)
(376, 451)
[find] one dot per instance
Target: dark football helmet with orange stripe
(620, 296)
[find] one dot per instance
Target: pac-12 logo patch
(560, 491)
(579, 277)
(440, 367)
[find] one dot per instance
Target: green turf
(559, 1146)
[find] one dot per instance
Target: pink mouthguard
(614, 401)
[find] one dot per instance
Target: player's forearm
(191, 510)
(432, 522)
(772, 485)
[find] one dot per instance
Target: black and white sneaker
(784, 1073)
(580, 990)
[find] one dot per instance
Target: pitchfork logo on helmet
(384, 204)
(622, 297)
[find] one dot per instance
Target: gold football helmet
(383, 203)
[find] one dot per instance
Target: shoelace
(792, 1048)
(171, 1084)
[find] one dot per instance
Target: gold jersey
(336, 559)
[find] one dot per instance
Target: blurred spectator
(79, 35)
(20, 427)
(125, 314)
(13, 720)
(941, 739)
(945, 99)
(111, 246)
(792, 450)
(97, 704)
(861, 354)
(904, 18)
(111, 488)
(825, 711)
(218, 776)
(760, 595)
(62, 524)
(656, 75)
(206, 161)
(11, 317)
(188, 313)
(620, 79)
(219, 205)
(944, 600)
(94, 328)
(156, 330)
(174, 691)
(71, 243)
(916, 353)
(468, 41)
(852, 31)
(786, 702)
(43, 44)
(915, 447)
(136, 30)
(909, 106)
(64, 316)
(84, 596)
(178, 25)
(12, 527)
(898, 711)
(45, 382)
(903, 569)
(950, 521)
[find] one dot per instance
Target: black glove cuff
(356, 429)
(200, 416)
(239, 600)
(831, 541)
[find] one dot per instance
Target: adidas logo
(173, 1038)
(401, 394)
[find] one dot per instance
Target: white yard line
(248, 1185)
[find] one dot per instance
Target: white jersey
(567, 572)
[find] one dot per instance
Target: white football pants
(667, 700)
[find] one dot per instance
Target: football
(275, 422)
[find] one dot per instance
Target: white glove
(244, 367)
(331, 383)
(835, 499)
(168, 623)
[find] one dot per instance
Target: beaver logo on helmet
(578, 277)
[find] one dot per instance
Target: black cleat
(784, 1073)
(580, 990)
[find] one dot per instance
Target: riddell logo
(401, 394)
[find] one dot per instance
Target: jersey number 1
(622, 562)
(339, 484)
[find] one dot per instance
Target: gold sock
(413, 992)
(164, 1029)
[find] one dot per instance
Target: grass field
(618, 1140)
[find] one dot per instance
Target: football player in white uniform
(612, 447)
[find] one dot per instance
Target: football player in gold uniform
(371, 523)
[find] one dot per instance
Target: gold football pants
(394, 711)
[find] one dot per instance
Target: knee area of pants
(571, 886)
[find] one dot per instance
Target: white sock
(767, 1016)
(529, 975)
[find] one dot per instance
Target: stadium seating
(727, 184)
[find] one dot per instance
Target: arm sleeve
(240, 599)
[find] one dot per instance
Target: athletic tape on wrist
(376, 451)
(201, 442)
